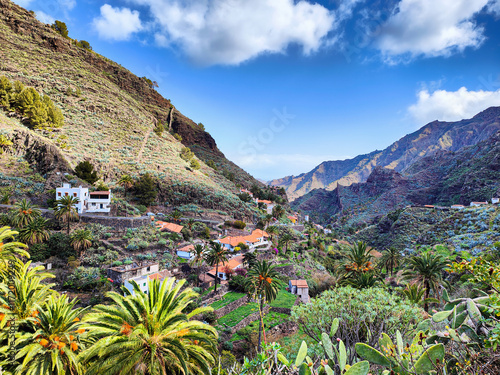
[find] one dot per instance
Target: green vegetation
(39, 110)
(284, 299)
(85, 171)
(145, 189)
(227, 299)
(235, 316)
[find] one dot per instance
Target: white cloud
(68, 4)
(117, 23)
(233, 31)
(430, 28)
(451, 105)
(44, 17)
(494, 7)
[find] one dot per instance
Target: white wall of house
(495, 200)
(80, 193)
(99, 205)
(142, 281)
(184, 254)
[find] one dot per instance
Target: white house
(256, 238)
(96, 201)
(233, 264)
(269, 205)
(99, 201)
(477, 204)
(458, 206)
(495, 200)
(186, 252)
(81, 193)
(143, 280)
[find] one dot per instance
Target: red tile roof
(299, 283)
(252, 238)
(169, 226)
(161, 275)
(233, 263)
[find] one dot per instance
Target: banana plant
(415, 358)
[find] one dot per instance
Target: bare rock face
(42, 155)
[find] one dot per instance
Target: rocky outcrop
(42, 155)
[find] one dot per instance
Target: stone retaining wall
(230, 307)
(117, 222)
(249, 319)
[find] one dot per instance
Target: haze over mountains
(433, 137)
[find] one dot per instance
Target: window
(221, 275)
(148, 269)
(59, 194)
(66, 194)
(74, 194)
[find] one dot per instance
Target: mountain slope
(443, 178)
(435, 136)
(110, 118)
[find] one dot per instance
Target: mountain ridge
(436, 135)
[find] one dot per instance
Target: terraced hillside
(110, 119)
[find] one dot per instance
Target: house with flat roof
(143, 281)
(99, 201)
(94, 201)
(79, 193)
(120, 274)
(477, 204)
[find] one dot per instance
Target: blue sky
(283, 85)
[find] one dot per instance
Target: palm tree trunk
(198, 276)
(260, 324)
(68, 226)
(216, 276)
(426, 296)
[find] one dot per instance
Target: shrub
(39, 252)
(85, 171)
(60, 246)
(238, 224)
(145, 190)
(228, 345)
(117, 263)
(363, 315)
(210, 317)
(143, 244)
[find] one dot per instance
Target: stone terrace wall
(249, 319)
(232, 306)
(116, 222)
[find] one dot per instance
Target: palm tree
(278, 211)
(215, 255)
(176, 216)
(390, 259)
(427, 269)
(358, 258)
(24, 297)
(10, 250)
(66, 210)
(150, 333)
(56, 342)
(262, 281)
(361, 280)
(272, 231)
(285, 240)
(266, 220)
(190, 223)
(197, 260)
(34, 232)
(81, 240)
(126, 181)
(24, 212)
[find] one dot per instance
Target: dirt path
(144, 143)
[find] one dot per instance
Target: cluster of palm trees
(135, 334)
(34, 229)
(424, 273)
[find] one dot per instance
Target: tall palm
(150, 333)
(58, 338)
(391, 259)
(190, 223)
(216, 255)
(428, 269)
(278, 211)
(285, 239)
(262, 281)
(272, 230)
(23, 213)
(197, 260)
(358, 258)
(10, 250)
(267, 219)
(66, 210)
(34, 232)
(81, 240)
(126, 181)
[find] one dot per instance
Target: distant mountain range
(400, 156)
(441, 178)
